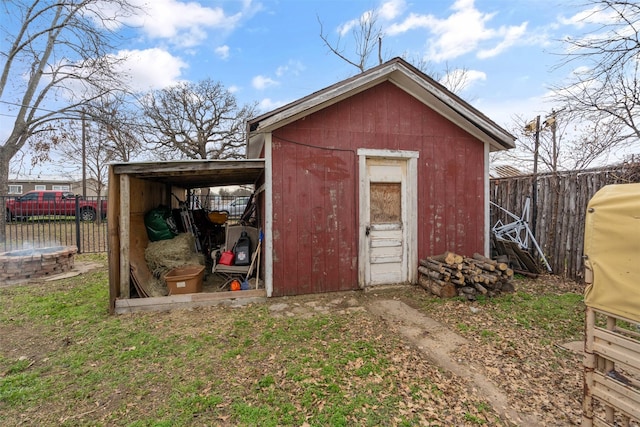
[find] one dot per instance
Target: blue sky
(270, 51)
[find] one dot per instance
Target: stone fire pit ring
(26, 264)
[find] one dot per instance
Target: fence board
(562, 204)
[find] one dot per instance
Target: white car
(236, 207)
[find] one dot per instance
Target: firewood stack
(449, 275)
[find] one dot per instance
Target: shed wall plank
(316, 193)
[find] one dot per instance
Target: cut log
(432, 265)
(502, 259)
(460, 282)
(448, 258)
(480, 288)
(482, 258)
(440, 266)
(483, 265)
(501, 264)
(431, 273)
(489, 278)
(457, 275)
(444, 275)
(438, 287)
(470, 270)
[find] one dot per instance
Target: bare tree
(120, 126)
(57, 58)
(564, 143)
(85, 147)
(605, 88)
(107, 132)
(366, 34)
(197, 121)
(454, 79)
(600, 105)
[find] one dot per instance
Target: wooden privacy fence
(561, 207)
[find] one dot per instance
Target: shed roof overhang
(403, 75)
(195, 173)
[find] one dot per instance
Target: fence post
(78, 224)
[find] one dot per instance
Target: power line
(15, 104)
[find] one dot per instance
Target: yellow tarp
(612, 250)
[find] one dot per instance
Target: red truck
(53, 203)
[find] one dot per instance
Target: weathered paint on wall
(315, 186)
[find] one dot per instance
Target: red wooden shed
(365, 177)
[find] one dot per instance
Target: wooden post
(589, 366)
(534, 191)
(125, 223)
(608, 367)
(113, 234)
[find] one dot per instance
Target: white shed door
(385, 213)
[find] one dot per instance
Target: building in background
(24, 184)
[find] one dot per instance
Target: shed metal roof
(195, 173)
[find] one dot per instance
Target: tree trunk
(99, 212)
(5, 158)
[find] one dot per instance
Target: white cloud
(222, 51)
(293, 67)
(267, 104)
(475, 75)
(581, 70)
(354, 23)
(462, 79)
(387, 11)
(261, 82)
(138, 70)
(151, 68)
(183, 23)
(412, 22)
(594, 15)
(460, 33)
(391, 9)
(597, 24)
(510, 36)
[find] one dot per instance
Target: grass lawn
(65, 361)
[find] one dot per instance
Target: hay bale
(157, 288)
(164, 255)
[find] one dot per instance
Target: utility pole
(534, 184)
(551, 121)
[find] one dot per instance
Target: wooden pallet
(519, 260)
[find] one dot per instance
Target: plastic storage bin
(185, 280)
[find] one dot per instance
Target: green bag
(160, 224)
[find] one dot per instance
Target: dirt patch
(439, 344)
